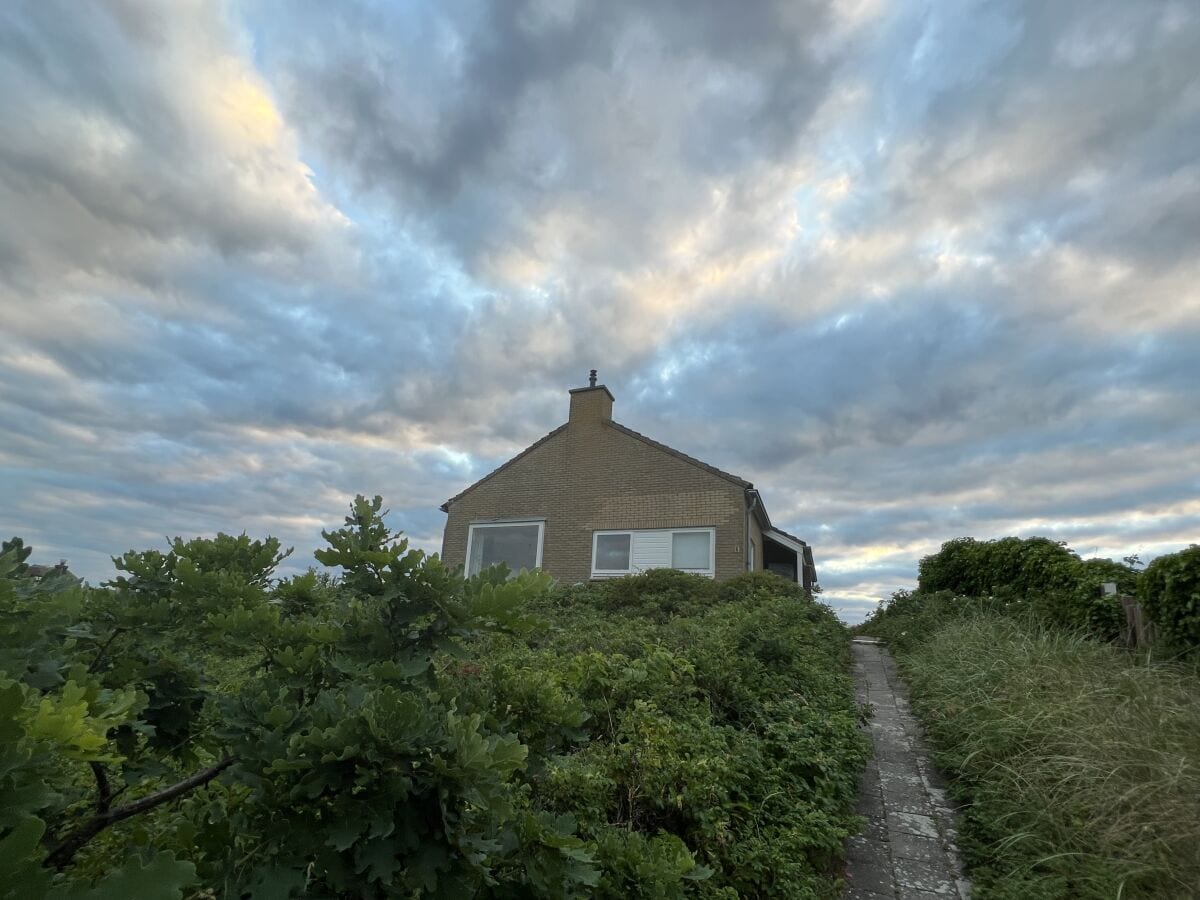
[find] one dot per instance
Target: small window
(612, 552)
(516, 544)
(691, 551)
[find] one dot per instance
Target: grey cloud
(934, 420)
(575, 140)
(194, 340)
(486, 60)
(144, 488)
(110, 148)
(1082, 127)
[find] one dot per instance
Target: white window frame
(710, 572)
(611, 573)
(504, 523)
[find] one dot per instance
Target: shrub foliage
(1170, 594)
(1035, 575)
(199, 726)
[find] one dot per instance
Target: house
(37, 573)
(594, 499)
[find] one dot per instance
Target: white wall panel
(651, 550)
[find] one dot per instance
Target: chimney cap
(592, 386)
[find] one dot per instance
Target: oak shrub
(386, 727)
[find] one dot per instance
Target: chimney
(592, 403)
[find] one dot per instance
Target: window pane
(612, 552)
(513, 545)
(689, 550)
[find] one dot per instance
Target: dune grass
(1080, 762)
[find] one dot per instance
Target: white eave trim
(757, 509)
(788, 542)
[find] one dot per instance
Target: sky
(918, 270)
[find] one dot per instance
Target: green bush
(911, 617)
(749, 584)
(1016, 565)
(1035, 575)
(1101, 614)
(198, 727)
(659, 594)
(1078, 762)
(193, 725)
(1170, 594)
(731, 730)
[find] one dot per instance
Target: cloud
(607, 163)
(918, 271)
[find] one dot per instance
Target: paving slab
(921, 875)
(912, 846)
(908, 847)
(907, 803)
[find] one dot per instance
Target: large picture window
(516, 544)
(617, 553)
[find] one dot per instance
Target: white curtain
(690, 550)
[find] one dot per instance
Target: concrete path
(908, 848)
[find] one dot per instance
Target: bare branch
(104, 791)
(201, 778)
(100, 654)
(62, 855)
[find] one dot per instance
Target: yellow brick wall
(592, 477)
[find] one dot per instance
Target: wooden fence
(1139, 630)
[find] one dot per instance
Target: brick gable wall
(590, 477)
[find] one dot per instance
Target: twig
(104, 649)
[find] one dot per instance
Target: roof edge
(789, 538)
(445, 507)
(758, 509)
(679, 454)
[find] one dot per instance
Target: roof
(786, 535)
(678, 454)
(445, 507)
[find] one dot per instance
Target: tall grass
(1079, 761)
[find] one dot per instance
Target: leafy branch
(61, 856)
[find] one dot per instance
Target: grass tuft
(1080, 762)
